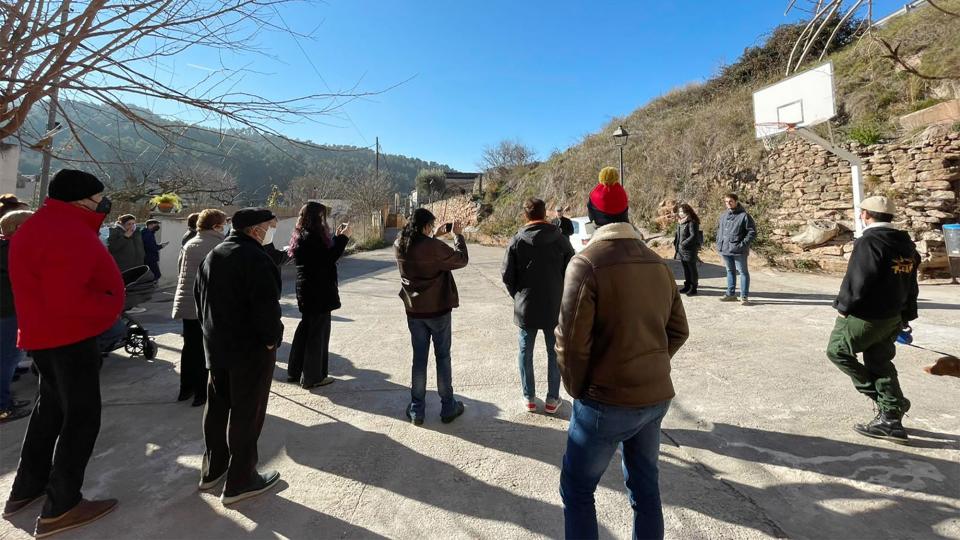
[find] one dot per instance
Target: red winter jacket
(66, 286)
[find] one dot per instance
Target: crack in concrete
(707, 472)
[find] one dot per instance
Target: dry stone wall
(804, 182)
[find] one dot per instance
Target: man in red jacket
(65, 298)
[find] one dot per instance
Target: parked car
(582, 232)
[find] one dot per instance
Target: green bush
(866, 134)
(371, 243)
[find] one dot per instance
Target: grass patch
(805, 264)
(865, 134)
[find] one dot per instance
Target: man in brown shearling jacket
(621, 321)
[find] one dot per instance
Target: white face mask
(268, 237)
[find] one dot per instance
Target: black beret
(70, 185)
(248, 217)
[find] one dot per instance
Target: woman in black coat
(315, 253)
(687, 244)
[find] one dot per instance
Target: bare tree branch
(105, 48)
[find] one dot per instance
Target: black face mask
(104, 206)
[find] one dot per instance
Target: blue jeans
(10, 356)
(421, 332)
(528, 338)
(737, 264)
(596, 430)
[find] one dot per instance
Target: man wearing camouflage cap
(877, 298)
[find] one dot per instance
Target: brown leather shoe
(83, 513)
(14, 507)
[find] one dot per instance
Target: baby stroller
(139, 286)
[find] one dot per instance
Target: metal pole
(623, 181)
(41, 192)
(378, 158)
(856, 172)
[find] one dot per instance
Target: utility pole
(41, 192)
(378, 159)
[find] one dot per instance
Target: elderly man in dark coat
(238, 305)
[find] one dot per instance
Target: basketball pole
(856, 171)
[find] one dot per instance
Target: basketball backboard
(803, 100)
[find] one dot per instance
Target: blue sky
(545, 73)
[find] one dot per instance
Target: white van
(582, 232)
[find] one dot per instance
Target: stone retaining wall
(805, 182)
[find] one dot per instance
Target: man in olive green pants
(876, 377)
(877, 298)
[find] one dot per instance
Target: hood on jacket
(895, 239)
(539, 233)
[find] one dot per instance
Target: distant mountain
(123, 148)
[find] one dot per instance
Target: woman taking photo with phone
(315, 252)
(429, 296)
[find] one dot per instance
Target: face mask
(104, 206)
(268, 237)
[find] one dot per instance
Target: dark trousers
(63, 428)
(876, 377)
(193, 365)
(690, 276)
(233, 419)
(310, 351)
(154, 267)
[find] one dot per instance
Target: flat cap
(880, 204)
(248, 217)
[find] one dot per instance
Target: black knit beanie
(70, 185)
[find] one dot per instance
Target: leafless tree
(505, 156)
(314, 186)
(370, 192)
(115, 52)
(197, 183)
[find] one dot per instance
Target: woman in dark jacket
(315, 253)
(687, 244)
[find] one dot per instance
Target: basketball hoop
(772, 134)
(796, 104)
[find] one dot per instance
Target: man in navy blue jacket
(151, 249)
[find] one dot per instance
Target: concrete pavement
(757, 444)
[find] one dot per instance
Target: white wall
(172, 229)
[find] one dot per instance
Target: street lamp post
(620, 139)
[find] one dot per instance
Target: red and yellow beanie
(608, 201)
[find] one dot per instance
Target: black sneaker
(456, 413)
(261, 484)
(415, 420)
(885, 426)
(691, 292)
(684, 289)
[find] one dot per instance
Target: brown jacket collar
(616, 231)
